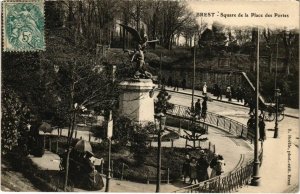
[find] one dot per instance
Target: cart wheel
(280, 116)
(269, 116)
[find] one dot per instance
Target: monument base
(135, 101)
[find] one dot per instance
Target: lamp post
(109, 135)
(256, 178)
(277, 94)
(160, 119)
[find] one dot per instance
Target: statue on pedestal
(137, 55)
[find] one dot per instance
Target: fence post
(44, 141)
(56, 145)
(217, 121)
(58, 131)
(101, 167)
(230, 126)
(186, 142)
(209, 146)
(112, 169)
(75, 134)
(214, 148)
(168, 176)
(50, 142)
(172, 143)
(122, 171)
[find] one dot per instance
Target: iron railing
(231, 126)
(228, 182)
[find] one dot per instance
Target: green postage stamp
(23, 25)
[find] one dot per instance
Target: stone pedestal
(135, 101)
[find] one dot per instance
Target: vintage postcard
(150, 96)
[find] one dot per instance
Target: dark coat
(202, 166)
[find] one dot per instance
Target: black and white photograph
(150, 96)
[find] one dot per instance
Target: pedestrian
(183, 84)
(219, 93)
(204, 107)
(219, 168)
(233, 92)
(202, 165)
(228, 93)
(204, 89)
(186, 167)
(252, 106)
(176, 85)
(163, 82)
(193, 170)
(212, 165)
(198, 109)
(251, 122)
(262, 128)
(170, 82)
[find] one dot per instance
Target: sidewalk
(290, 112)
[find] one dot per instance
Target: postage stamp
(23, 25)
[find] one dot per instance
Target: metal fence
(230, 181)
(231, 126)
(226, 183)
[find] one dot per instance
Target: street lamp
(109, 136)
(160, 119)
(277, 94)
(255, 177)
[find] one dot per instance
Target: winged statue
(138, 54)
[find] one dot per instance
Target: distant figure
(219, 93)
(186, 167)
(193, 171)
(170, 82)
(198, 109)
(183, 84)
(176, 85)
(233, 92)
(204, 89)
(217, 166)
(252, 106)
(163, 82)
(228, 93)
(202, 165)
(251, 123)
(212, 165)
(262, 128)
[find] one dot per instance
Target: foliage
(14, 120)
(162, 104)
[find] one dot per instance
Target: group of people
(201, 112)
(176, 83)
(230, 92)
(197, 169)
(251, 125)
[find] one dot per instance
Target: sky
(280, 13)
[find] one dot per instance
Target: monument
(136, 101)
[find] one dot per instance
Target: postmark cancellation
(23, 25)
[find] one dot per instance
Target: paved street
(274, 169)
